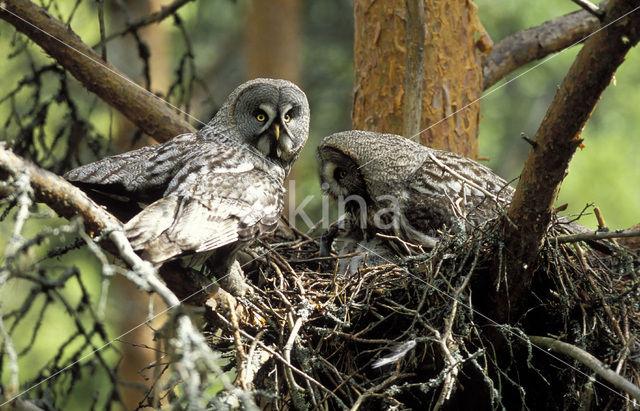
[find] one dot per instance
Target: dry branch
(556, 141)
(590, 361)
(535, 43)
(139, 105)
(65, 199)
(596, 235)
(191, 350)
(69, 201)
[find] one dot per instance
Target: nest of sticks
(413, 335)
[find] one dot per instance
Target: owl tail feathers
(160, 249)
(146, 231)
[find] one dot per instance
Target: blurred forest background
(195, 60)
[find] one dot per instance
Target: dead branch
(535, 43)
(590, 361)
(69, 201)
(65, 199)
(280, 358)
(139, 105)
(556, 141)
(595, 235)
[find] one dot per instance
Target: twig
(329, 258)
(372, 390)
(294, 387)
(68, 201)
(590, 361)
(283, 360)
(13, 383)
(65, 199)
(602, 225)
(443, 341)
(165, 11)
(588, 273)
(240, 354)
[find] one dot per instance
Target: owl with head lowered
(391, 185)
(207, 194)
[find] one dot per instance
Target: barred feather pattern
(211, 190)
(411, 191)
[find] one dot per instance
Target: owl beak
(275, 130)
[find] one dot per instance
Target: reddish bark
(385, 37)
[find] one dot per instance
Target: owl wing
(209, 204)
(449, 188)
(137, 175)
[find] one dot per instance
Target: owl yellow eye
(287, 118)
(261, 117)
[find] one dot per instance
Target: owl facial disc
(273, 118)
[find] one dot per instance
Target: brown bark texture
(384, 56)
(555, 143)
(535, 43)
(272, 40)
(141, 107)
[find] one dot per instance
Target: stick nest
(413, 335)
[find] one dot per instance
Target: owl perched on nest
(208, 193)
(396, 187)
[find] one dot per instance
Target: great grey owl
(391, 185)
(208, 193)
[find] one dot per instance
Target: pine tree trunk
(272, 40)
(395, 93)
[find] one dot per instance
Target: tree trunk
(388, 93)
(272, 42)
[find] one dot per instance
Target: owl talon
(234, 281)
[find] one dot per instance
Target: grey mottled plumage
(214, 190)
(408, 190)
